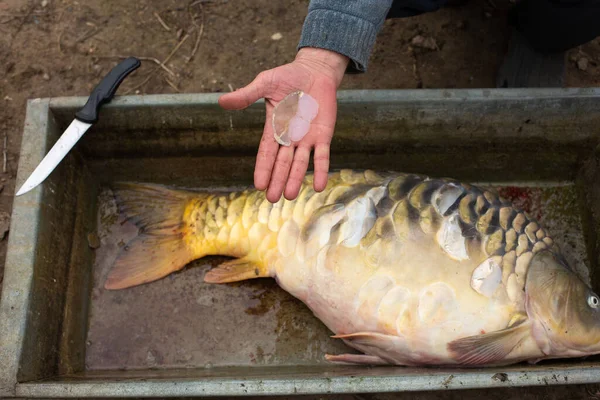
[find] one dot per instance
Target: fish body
(406, 269)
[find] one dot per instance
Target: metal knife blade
(60, 149)
(84, 118)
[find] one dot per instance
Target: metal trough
(62, 335)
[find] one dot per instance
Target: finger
(321, 166)
(280, 173)
(247, 95)
(267, 153)
(297, 172)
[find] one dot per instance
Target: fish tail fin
(161, 247)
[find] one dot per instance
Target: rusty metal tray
(63, 335)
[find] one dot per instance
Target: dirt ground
(51, 48)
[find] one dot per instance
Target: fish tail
(163, 244)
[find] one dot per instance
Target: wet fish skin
(407, 269)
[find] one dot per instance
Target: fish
(406, 269)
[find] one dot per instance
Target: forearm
(347, 27)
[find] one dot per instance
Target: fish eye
(593, 301)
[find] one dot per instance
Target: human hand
(317, 72)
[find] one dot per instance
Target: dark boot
(525, 67)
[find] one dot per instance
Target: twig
(21, 15)
(4, 155)
(416, 72)
(155, 60)
(164, 62)
(87, 35)
(199, 28)
(14, 35)
(202, 2)
(162, 22)
(141, 84)
(172, 85)
(59, 41)
(8, 20)
(230, 87)
(176, 48)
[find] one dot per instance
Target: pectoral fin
(488, 348)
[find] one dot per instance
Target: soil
(51, 48)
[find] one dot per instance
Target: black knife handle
(104, 92)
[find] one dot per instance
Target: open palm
(281, 169)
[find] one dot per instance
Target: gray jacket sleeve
(348, 27)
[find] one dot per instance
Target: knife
(84, 119)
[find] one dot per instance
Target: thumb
(247, 95)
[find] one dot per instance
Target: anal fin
(240, 269)
(488, 348)
(378, 348)
(355, 359)
(373, 339)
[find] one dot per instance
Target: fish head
(564, 309)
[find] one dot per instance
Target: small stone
(44, 3)
(582, 63)
(93, 240)
(425, 43)
(213, 81)
(500, 376)
(276, 36)
(8, 98)
(46, 76)
(4, 224)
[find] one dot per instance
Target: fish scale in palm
(409, 270)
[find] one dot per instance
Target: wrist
(329, 62)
